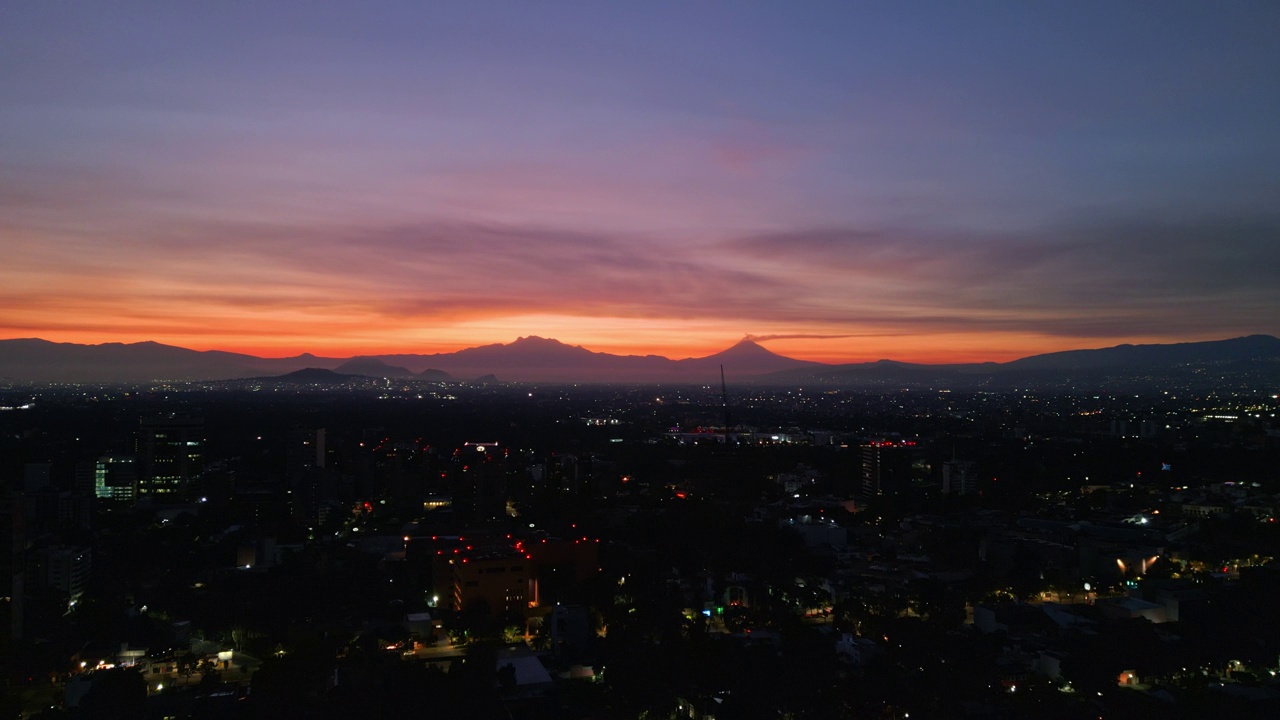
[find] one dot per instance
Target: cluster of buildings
(473, 536)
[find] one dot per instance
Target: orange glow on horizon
(930, 349)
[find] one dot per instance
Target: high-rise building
(170, 453)
(886, 468)
(480, 482)
(959, 478)
(310, 483)
(115, 477)
(67, 568)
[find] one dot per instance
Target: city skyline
(922, 182)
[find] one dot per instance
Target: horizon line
(748, 338)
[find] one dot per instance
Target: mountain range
(536, 359)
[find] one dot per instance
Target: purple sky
(926, 181)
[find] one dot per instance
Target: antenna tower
(724, 397)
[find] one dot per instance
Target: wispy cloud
(800, 336)
(1084, 280)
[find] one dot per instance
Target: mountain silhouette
(1251, 347)
(747, 357)
(1197, 364)
(538, 359)
(316, 376)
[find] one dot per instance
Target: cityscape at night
(375, 547)
(660, 361)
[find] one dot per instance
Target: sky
(844, 181)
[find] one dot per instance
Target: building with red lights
(499, 582)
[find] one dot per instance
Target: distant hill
(1198, 364)
(1252, 347)
(537, 359)
(41, 361)
(34, 360)
(316, 376)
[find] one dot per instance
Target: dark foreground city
(406, 548)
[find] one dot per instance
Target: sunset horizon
(921, 182)
(784, 346)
